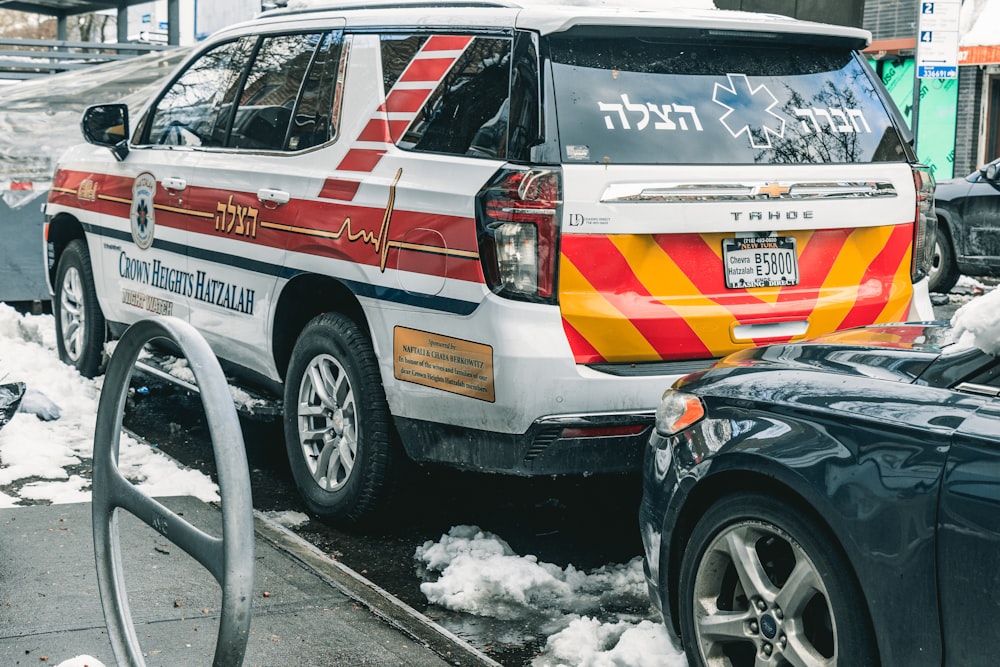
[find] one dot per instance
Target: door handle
(174, 184)
(274, 197)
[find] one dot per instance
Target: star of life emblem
(141, 214)
(749, 110)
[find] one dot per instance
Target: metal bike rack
(230, 559)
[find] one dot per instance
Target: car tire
(944, 268)
(80, 326)
(341, 446)
(761, 583)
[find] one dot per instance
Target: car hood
(899, 352)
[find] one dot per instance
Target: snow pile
(477, 572)
(977, 323)
(41, 451)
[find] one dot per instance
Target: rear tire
(761, 583)
(80, 326)
(944, 267)
(338, 432)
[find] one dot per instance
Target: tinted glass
(397, 52)
(270, 91)
(467, 113)
(313, 122)
(196, 108)
(637, 101)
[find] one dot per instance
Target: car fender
(840, 483)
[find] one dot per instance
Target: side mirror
(107, 125)
(991, 171)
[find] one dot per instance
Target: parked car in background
(968, 237)
(834, 502)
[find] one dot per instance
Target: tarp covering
(979, 43)
(40, 118)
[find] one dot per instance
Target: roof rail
(305, 6)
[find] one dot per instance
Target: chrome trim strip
(625, 193)
(978, 389)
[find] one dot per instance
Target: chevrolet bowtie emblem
(773, 190)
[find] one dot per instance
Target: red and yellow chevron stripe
(653, 297)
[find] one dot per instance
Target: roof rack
(306, 6)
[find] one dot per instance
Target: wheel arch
(62, 229)
(303, 298)
(947, 224)
(712, 488)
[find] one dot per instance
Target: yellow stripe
(898, 306)
(292, 229)
(671, 286)
(118, 200)
(185, 211)
(606, 329)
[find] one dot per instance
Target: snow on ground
(49, 461)
(585, 613)
(978, 322)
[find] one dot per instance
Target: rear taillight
(924, 224)
(518, 217)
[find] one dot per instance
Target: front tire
(338, 433)
(80, 326)
(760, 583)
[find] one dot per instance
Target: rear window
(640, 101)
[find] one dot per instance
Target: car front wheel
(80, 325)
(761, 584)
(338, 434)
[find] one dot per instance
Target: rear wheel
(944, 268)
(80, 325)
(761, 584)
(338, 434)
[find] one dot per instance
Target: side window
(397, 52)
(195, 110)
(314, 121)
(274, 86)
(468, 112)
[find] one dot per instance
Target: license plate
(760, 262)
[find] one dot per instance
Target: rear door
(723, 192)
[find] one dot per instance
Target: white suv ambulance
(489, 234)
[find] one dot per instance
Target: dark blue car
(968, 234)
(833, 502)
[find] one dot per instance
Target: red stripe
(21, 185)
(815, 262)
(406, 100)
(360, 159)
(337, 188)
(583, 351)
(427, 69)
(377, 129)
(446, 43)
(600, 261)
(876, 285)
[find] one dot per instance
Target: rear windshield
(639, 101)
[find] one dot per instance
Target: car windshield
(639, 99)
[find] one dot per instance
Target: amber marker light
(677, 411)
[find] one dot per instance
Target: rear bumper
(551, 446)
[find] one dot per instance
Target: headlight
(677, 411)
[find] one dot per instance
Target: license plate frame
(769, 261)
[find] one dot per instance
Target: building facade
(958, 121)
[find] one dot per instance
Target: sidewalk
(308, 609)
